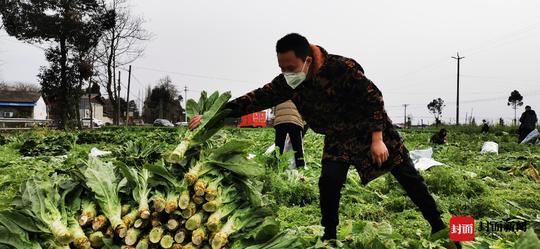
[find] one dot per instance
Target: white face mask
(294, 79)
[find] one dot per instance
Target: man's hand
(379, 152)
(195, 122)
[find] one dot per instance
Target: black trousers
(295, 135)
(524, 130)
(333, 177)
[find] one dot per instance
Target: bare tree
(120, 46)
(19, 86)
(26, 87)
(3, 86)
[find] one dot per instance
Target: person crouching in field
(439, 137)
(485, 127)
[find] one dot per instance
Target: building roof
(19, 96)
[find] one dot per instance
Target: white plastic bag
(288, 147)
(533, 137)
(417, 154)
(490, 147)
(95, 152)
(270, 149)
(426, 163)
(422, 159)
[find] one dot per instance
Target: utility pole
(127, 98)
(185, 103)
(90, 104)
(405, 117)
(118, 100)
(140, 103)
(457, 102)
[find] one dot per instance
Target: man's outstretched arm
(271, 94)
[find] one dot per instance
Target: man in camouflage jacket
(337, 100)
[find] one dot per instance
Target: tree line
(87, 43)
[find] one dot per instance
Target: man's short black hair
(528, 107)
(296, 43)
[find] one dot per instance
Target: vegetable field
(53, 195)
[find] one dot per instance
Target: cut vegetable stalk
(198, 236)
(130, 218)
(199, 200)
(144, 243)
(96, 239)
(172, 224)
(226, 195)
(167, 241)
(235, 223)
(125, 209)
(155, 234)
(180, 236)
(190, 210)
(197, 171)
(190, 245)
(79, 238)
(199, 187)
(158, 201)
(109, 232)
(214, 220)
(132, 236)
(156, 222)
(175, 187)
(183, 202)
(88, 212)
(140, 223)
(195, 221)
(172, 202)
(212, 189)
(99, 222)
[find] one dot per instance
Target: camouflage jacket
(341, 103)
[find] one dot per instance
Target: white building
(22, 104)
(96, 103)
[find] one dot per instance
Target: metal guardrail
(24, 123)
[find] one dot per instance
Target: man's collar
(319, 57)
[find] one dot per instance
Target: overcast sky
(405, 47)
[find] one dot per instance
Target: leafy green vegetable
(140, 189)
(102, 179)
(212, 122)
(528, 240)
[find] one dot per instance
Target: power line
(476, 49)
(195, 75)
(512, 80)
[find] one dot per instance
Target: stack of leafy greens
(212, 200)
